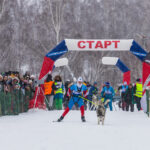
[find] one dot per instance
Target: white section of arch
(98, 44)
(110, 60)
(61, 62)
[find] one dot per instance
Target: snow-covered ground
(36, 131)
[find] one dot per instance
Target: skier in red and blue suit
(76, 91)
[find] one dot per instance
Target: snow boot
(60, 119)
(83, 119)
(49, 108)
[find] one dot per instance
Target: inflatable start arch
(90, 45)
(96, 45)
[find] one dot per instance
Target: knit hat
(107, 83)
(139, 80)
(125, 83)
(95, 83)
(80, 79)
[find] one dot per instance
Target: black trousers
(123, 103)
(131, 107)
(138, 102)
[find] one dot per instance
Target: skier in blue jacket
(108, 93)
(76, 91)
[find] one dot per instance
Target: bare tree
(56, 9)
(2, 6)
(31, 28)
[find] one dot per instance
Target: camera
(38, 82)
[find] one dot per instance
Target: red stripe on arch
(126, 77)
(46, 67)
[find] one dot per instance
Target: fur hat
(15, 78)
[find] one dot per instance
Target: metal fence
(15, 102)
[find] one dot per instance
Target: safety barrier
(14, 102)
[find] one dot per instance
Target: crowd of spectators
(12, 83)
(16, 91)
(12, 80)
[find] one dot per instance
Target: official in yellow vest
(138, 93)
(58, 97)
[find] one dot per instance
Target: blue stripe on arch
(58, 51)
(138, 51)
(122, 66)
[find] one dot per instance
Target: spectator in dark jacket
(123, 89)
(93, 91)
(129, 98)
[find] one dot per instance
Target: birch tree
(56, 10)
(2, 7)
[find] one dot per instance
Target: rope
(88, 100)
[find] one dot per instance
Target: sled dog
(101, 111)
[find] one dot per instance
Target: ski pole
(46, 100)
(87, 100)
(114, 106)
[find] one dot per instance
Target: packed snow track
(36, 130)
